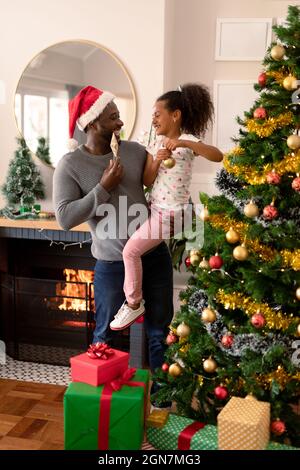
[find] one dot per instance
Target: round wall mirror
(55, 76)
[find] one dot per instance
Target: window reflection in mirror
(54, 77)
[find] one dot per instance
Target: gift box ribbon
(99, 351)
(186, 435)
(105, 403)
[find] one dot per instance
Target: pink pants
(158, 227)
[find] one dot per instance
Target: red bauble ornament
(187, 262)
(165, 367)
(258, 320)
(171, 338)
(221, 392)
(262, 78)
(227, 341)
(273, 178)
(296, 184)
(270, 212)
(260, 113)
(215, 262)
(278, 427)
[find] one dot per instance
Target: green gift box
(166, 438)
(87, 422)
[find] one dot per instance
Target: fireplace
(47, 303)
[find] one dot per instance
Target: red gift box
(100, 370)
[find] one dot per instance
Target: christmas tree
(237, 328)
(43, 151)
(23, 183)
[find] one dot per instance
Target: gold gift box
(244, 424)
(157, 418)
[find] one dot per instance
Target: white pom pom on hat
(86, 106)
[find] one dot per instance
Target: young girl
(180, 118)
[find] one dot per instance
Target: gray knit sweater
(77, 193)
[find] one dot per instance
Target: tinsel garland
(274, 320)
(280, 376)
(290, 259)
(247, 341)
(278, 76)
(227, 183)
(289, 164)
(269, 125)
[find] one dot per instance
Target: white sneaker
(126, 316)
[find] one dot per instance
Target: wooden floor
(31, 415)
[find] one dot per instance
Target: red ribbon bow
(118, 383)
(99, 351)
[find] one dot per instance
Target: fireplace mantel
(39, 224)
(42, 230)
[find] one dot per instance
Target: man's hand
(112, 175)
(172, 144)
(163, 154)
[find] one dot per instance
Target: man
(88, 180)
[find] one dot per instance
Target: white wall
(132, 29)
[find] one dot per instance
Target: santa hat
(86, 106)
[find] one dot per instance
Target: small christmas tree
(43, 151)
(23, 183)
(237, 329)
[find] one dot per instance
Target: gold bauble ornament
(210, 365)
(208, 315)
(175, 370)
(169, 162)
(277, 52)
(251, 210)
(290, 83)
(204, 214)
(232, 236)
(183, 330)
(293, 141)
(204, 264)
(240, 253)
(298, 330)
(195, 259)
(194, 252)
(298, 293)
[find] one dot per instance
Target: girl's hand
(172, 144)
(163, 154)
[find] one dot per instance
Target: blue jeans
(157, 293)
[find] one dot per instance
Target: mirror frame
(99, 46)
